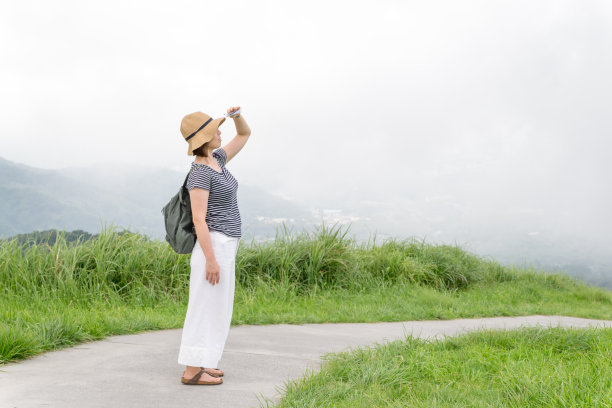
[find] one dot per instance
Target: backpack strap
(186, 177)
(181, 192)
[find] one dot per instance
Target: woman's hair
(201, 151)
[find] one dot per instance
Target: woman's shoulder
(199, 171)
(199, 176)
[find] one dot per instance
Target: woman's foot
(213, 371)
(191, 372)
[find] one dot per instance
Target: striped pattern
(222, 214)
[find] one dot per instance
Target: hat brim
(205, 135)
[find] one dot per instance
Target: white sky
(504, 102)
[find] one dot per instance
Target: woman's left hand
(232, 109)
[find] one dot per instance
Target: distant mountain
(86, 197)
(131, 197)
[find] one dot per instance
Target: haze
(492, 113)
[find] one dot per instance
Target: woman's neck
(205, 160)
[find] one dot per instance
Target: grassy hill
(61, 294)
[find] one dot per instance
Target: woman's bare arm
(243, 132)
(199, 206)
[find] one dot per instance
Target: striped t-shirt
(222, 214)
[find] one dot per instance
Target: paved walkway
(141, 370)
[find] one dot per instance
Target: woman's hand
(212, 271)
(232, 109)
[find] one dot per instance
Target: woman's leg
(210, 306)
(232, 248)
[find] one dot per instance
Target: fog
(492, 113)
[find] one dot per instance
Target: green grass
(54, 296)
(529, 367)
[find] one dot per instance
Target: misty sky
(502, 104)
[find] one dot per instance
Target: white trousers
(210, 307)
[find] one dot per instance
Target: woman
(214, 206)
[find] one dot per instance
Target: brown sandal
(196, 380)
(213, 374)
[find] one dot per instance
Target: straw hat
(198, 128)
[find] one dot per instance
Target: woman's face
(215, 142)
(219, 136)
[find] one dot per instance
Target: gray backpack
(180, 231)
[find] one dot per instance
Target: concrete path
(141, 370)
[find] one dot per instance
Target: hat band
(201, 127)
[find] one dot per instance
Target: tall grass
(330, 259)
(113, 266)
(136, 269)
(58, 294)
